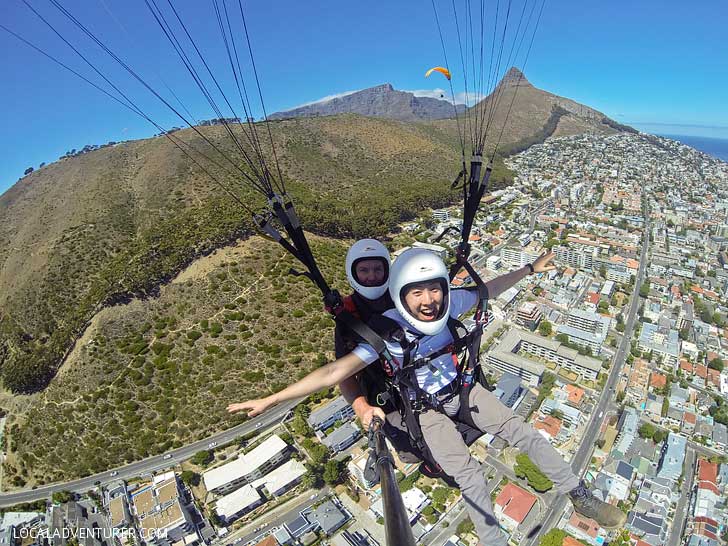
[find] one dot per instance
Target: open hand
(543, 262)
(256, 407)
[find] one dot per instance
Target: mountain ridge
(378, 101)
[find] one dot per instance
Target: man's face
(424, 300)
(370, 272)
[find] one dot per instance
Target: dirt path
(203, 266)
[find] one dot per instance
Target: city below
(617, 358)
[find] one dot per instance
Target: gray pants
(492, 416)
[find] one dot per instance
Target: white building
(163, 518)
(437, 249)
(247, 467)
(239, 502)
(414, 502)
(282, 478)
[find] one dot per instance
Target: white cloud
(327, 98)
(442, 94)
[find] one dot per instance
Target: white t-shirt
(441, 371)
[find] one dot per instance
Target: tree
(525, 468)
(190, 478)
(545, 328)
(716, 364)
(555, 537)
(645, 289)
(334, 472)
(659, 436)
(60, 497)
(467, 526)
(622, 539)
(646, 430)
(563, 338)
(439, 495)
(201, 458)
(313, 478)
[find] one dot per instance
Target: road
(678, 523)
(606, 403)
(458, 513)
(268, 522)
(152, 464)
(543, 206)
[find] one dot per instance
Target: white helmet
(367, 249)
(416, 265)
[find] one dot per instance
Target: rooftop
(549, 424)
(328, 411)
(281, 476)
(238, 500)
(515, 502)
(584, 524)
(245, 464)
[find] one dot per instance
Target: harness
(404, 391)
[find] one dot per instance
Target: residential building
(436, 249)
(414, 502)
(662, 341)
(282, 479)
(248, 467)
(584, 528)
(554, 351)
(441, 215)
(529, 315)
(343, 437)
(672, 457)
(505, 361)
(571, 415)
(162, 515)
(512, 505)
(238, 503)
(586, 329)
(325, 417)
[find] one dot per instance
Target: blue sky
(659, 65)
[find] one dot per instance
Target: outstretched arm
(325, 376)
(500, 284)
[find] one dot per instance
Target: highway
(606, 400)
(149, 465)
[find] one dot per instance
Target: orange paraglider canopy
(444, 71)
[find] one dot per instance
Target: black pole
(397, 529)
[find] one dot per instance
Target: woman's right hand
(256, 407)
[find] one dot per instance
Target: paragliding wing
(444, 71)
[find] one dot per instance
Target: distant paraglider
(444, 71)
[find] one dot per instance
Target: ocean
(717, 147)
